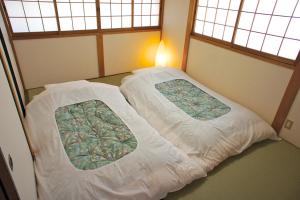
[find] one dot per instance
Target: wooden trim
(9, 33)
(245, 51)
(161, 17)
(288, 98)
(10, 81)
(6, 180)
(237, 21)
(56, 15)
(189, 30)
(100, 53)
(55, 34)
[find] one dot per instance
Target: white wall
(174, 29)
(53, 60)
(293, 135)
(13, 142)
(129, 51)
(253, 83)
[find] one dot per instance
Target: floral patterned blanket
(93, 135)
(192, 100)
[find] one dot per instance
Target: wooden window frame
(60, 33)
(285, 62)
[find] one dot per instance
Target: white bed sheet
(208, 142)
(153, 169)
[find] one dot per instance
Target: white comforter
(207, 142)
(153, 169)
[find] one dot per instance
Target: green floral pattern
(93, 135)
(192, 100)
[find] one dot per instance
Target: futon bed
(205, 125)
(90, 144)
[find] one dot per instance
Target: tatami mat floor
(267, 170)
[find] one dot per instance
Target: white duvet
(207, 142)
(153, 169)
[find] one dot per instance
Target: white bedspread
(207, 142)
(153, 169)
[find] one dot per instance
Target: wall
(253, 83)
(174, 29)
(129, 51)
(13, 142)
(293, 135)
(54, 60)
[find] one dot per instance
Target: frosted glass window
(284, 7)
(19, 25)
(266, 6)
(231, 18)
(50, 24)
(137, 21)
(30, 16)
(271, 44)
(78, 23)
(260, 23)
(66, 24)
(90, 23)
(224, 4)
(250, 5)
(214, 17)
(221, 16)
(14, 8)
(246, 20)
(145, 20)
(47, 9)
(199, 27)
(79, 12)
(116, 22)
(77, 9)
(146, 13)
(210, 15)
(155, 20)
(201, 13)
(218, 31)
(126, 9)
(32, 9)
(241, 37)
(105, 22)
(294, 29)
(228, 33)
(208, 29)
(289, 49)
(278, 25)
(255, 41)
(126, 22)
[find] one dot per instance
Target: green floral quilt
(93, 135)
(192, 100)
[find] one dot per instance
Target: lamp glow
(161, 55)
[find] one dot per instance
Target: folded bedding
(90, 144)
(205, 125)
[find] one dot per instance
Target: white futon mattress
(225, 132)
(153, 169)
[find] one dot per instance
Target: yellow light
(161, 59)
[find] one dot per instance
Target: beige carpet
(266, 171)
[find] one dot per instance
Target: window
(146, 13)
(115, 14)
(31, 16)
(77, 14)
(268, 27)
(217, 18)
(26, 16)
